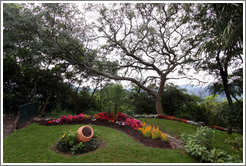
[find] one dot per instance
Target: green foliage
(199, 146)
(173, 98)
(143, 103)
(86, 146)
(232, 116)
(130, 113)
(236, 143)
(223, 46)
(33, 67)
(203, 137)
(78, 148)
(220, 156)
(114, 98)
(211, 106)
(69, 142)
(58, 112)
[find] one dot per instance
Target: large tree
(143, 43)
(32, 69)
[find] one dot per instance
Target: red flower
(49, 121)
(63, 118)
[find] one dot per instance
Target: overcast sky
(202, 76)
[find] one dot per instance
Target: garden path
(8, 125)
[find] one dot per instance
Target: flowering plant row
(146, 116)
(218, 128)
(159, 116)
(172, 118)
(119, 119)
(109, 116)
(69, 118)
(134, 123)
(152, 131)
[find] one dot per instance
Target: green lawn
(33, 145)
(176, 129)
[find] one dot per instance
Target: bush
(86, 146)
(69, 142)
(57, 112)
(130, 113)
(199, 145)
(236, 143)
(232, 116)
(202, 137)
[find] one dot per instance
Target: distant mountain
(200, 91)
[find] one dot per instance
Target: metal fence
(26, 113)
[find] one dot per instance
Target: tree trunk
(75, 100)
(228, 96)
(224, 76)
(95, 89)
(158, 105)
(45, 104)
(75, 104)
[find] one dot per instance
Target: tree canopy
(144, 43)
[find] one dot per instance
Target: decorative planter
(85, 133)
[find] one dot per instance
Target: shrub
(69, 142)
(220, 156)
(236, 143)
(86, 146)
(199, 145)
(232, 116)
(130, 113)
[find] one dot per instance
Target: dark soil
(86, 132)
(137, 135)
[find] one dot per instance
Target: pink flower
(81, 117)
(75, 118)
(69, 118)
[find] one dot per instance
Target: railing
(26, 113)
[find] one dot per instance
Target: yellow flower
(63, 135)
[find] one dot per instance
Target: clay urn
(85, 133)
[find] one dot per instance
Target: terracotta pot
(85, 133)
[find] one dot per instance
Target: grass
(176, 129)
(33, 145)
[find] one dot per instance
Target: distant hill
(200, 91)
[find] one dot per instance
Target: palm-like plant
(223, 26)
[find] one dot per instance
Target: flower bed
(121, 122)
(159, 116)
(69, 144)
(153, 132)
